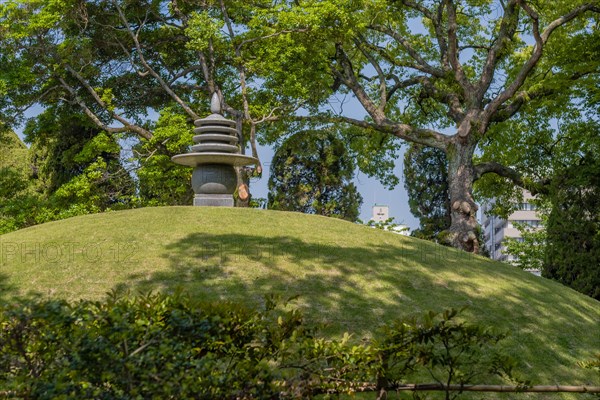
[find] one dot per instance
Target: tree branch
(426, 137)
(148, 68)
(539, 187)
(131, 59)
(380, 121)
(127, 127)
(505, 112)
(349, 79)
(422, 65)
(391, 59)
(540, 39)
(239, 66)
(508, 27)
(183, 73)
(451, 99)
(403, 84)
(383, 97)
(206, 72)
(436, 20)
(453, 53)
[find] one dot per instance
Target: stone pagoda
(214, 155)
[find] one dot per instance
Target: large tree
(77, 164)
(312, 172)
(559, 144)
(121, 63)
(71, 168)
(445, 73)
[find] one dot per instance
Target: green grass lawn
(348, 277)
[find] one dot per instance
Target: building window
(527, 207)
(534, 223)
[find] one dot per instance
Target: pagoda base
(213, 200)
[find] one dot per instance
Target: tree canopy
(453, 75)
(16, 190)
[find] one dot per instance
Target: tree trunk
(243, 180)
(463, 210)
(242, 198)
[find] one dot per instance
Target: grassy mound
(348, 277)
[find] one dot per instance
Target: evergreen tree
(572, 254)
(312, 173)
(426, 181)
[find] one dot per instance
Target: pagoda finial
(215, 104)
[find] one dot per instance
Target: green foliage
(529, 251)
(311, 173)
(258, 202)
(449, 350)
(150, 346)
(161, 181)
(76, 161)
(426, 182)
(79, 166)
(203, 30)
(71, 169)
(572, 253)
(563, 158)
(168, 346)
(375, 153)
(18, 195)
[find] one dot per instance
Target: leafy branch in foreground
(172, 347)
(448, 350)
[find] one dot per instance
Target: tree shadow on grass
(551, 328)
(10, 293)
(331, 281)
(6, 289)
(358, 288)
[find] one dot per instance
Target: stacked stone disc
(214, 156)
(215, 134)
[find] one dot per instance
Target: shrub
(152, 346)
(169, 346)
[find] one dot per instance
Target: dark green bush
(152, 346)
(160, 346)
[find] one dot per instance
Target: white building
(381, 213)
(495, 229)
